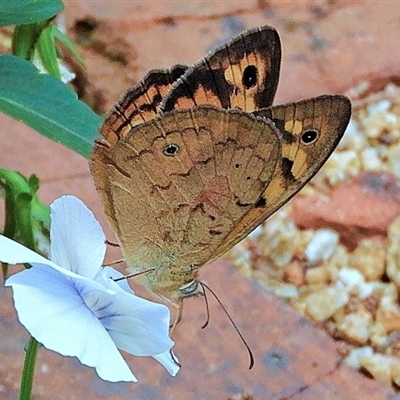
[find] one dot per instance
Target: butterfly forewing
(311, 129)
(242, 74)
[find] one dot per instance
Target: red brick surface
(328, 47)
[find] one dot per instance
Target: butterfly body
(216, 163)
(191, 166)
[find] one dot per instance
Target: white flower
(71, 305)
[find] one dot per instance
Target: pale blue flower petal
(71, 305)
(49, 304)
(137, 326)
(15, 253)
(167, 361)
(107, 272)
(76, 238)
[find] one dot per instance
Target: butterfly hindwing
(140, 103)
(242, 74)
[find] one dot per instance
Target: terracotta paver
(372, 202)
(328, 47)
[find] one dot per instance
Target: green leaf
(33, 182)
(25, 38)
(17, 182)
(14, 184)
(58, 35)
(23, 208)
(40, 211)
(27, 219)
(47, 105)
(20, 12)
(47, 52)
(41, 36)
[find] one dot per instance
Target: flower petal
(51, 308)
(137, 326)
(169, 362)
(108, 272)
(77, 239)
(12, 252)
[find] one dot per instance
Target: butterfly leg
(178, 317)
(107, 264)
(112, 244)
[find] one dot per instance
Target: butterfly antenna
(112, 244)
(134, 275)
(107, 264)
(204, 286)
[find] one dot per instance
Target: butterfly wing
(242, 74)
(181, 188)
(175, 186)
(139, 104)
(311, 130)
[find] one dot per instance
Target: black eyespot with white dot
(171, 150)
(250, 76)
(309, 136)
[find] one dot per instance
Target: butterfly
(194, 158)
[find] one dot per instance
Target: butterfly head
(171, 283)
(190, 289)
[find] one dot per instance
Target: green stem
(29, 370)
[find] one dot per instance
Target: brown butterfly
(194, 159)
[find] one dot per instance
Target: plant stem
(29, 370)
